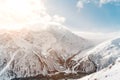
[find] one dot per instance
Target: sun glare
(15, 13)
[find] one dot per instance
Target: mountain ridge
(29, 53)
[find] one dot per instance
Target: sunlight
(15, 13)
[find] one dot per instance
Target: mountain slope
(105, 53)
(106, 60)
(29, 53)
(112, 72)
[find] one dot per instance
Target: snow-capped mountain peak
(28, 53)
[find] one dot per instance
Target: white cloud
(98, 37)
(17, 13)
(101, 2)
(80, 4)
(59, 19)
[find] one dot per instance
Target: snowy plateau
(57, 53)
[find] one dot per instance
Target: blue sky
(90, 17)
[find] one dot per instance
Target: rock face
(29, 53)
(85, 65)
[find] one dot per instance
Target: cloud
(25, 12)
(80, 4)
(59, 19)
(101, 2)
(98, 37)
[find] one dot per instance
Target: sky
(78, 15)
(88, 15)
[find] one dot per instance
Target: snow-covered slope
(112, 72)
(106, 59)
(26, 53)
(105, 53)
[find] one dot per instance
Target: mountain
(106, 60)
(97, 37)
(28, 53)
(112, 72)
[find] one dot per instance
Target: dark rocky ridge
(58, 76)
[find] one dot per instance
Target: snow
(105, 53)
(106, 57)
(112, 72)
(27, 53)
